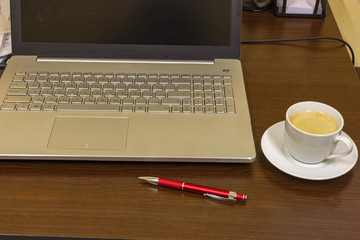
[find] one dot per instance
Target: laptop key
(127, 108)
(17, 92)
(18, 78)
(140, 108)
(154, 101)
(220, 109)
(49, 107)
(18, 85)
(35, 107)
(51, 99)
(87, 107)
(198, 109)
(227, 82)
(20, 73)
(187, 109)
(22, 107)
(38, 99)
(170, 101)
(34, 92)
(209, 109)
(8, 106)
(229, 92)
(89, 100)
(176, 109)
(17, 99)
(158, 109)
(178, 81)
(177, 94)
(230, 106)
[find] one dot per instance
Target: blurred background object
(347, 16)
(300, 8)
(256, 5)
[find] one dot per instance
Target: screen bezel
(127, 51)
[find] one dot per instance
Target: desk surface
(93, 199)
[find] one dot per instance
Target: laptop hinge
(94, 60)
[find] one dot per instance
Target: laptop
(125, 80)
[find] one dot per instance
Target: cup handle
(348, 144)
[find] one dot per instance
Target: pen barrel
(202, 189)
(191, 187)
(170, 183)
(198, 189)
(214, 191)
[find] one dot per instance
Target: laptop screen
(159, 29)
(153, 22)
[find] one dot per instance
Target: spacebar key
(90, 108)
(159, 109)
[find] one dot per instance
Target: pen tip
(152, 180)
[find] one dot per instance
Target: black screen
(147, 22)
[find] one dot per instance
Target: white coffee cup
(312, 148)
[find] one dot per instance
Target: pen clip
(229, 199)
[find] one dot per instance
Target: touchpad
(99, 133)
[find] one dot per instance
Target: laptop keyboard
(120, 92)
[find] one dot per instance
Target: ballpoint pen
(206, 191)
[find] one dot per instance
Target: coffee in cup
(314, 122)
(312, 131)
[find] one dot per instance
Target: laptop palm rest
(84, 133)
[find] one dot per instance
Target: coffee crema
(314, 122)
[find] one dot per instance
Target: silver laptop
(125, 80)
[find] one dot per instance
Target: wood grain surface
(105, 199)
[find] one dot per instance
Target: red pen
(206, 191)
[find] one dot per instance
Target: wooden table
(105, 199)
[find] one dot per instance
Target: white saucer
(275, 151)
